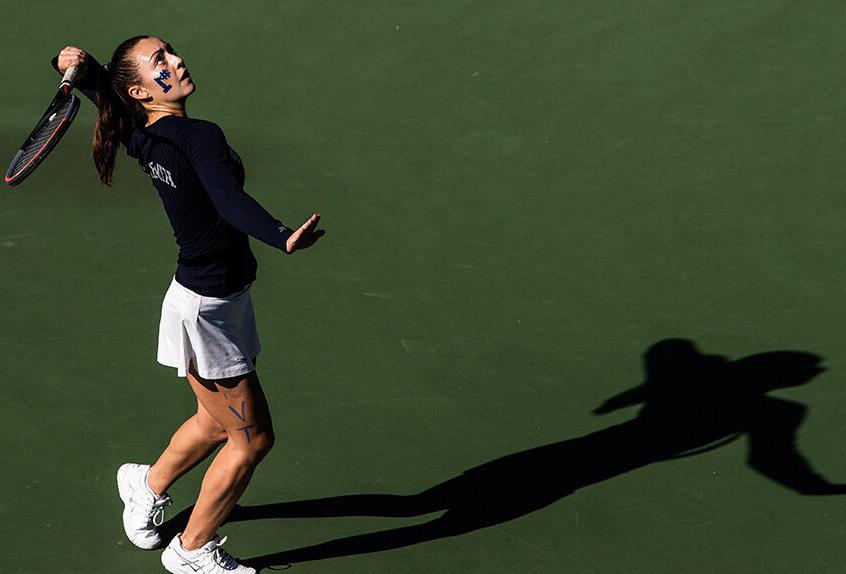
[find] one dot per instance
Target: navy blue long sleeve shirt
(200, 181)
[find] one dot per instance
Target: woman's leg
(240, 407)
(195, 440)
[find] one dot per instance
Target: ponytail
(112, 119)
(116, 110)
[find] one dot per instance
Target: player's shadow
(692, 403)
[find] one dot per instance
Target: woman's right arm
(91, 69)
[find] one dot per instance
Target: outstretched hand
(306, 235)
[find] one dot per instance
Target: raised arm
(91, 70)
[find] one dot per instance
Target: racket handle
(69, 78)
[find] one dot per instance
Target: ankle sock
(150, 490)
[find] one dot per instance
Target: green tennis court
(521, 200)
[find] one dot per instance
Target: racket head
(43, 138)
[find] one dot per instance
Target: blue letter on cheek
(164, 75)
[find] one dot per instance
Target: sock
(179, 537)
(150, 490)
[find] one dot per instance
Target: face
(164, 78)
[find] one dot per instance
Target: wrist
(288, 246)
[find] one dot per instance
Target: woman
(207, 328)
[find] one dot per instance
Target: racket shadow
(692, 403)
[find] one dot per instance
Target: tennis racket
(47, 132)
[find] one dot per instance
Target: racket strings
(44, 134)
(39, 143)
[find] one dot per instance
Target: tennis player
(207, 329)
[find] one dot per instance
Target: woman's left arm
(210, 156)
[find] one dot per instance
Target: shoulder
(190, 128)
(198, 136)
(200, 126)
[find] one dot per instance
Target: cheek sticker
(164, 75)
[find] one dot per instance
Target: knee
(256, 447)
(262, 444)
(265, 443)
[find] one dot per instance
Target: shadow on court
(692, 403)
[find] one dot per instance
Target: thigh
(208, 424)
(237, 404)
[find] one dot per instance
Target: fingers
(306, 235)
(73, 53)
(72, 50)
(309, 225)
(312, 221)
(71, 56)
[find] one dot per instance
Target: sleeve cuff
(89, 78)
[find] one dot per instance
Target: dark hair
(116, 110)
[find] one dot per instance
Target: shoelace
(223, 558)
(158, 510)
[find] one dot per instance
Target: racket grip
(70, 76)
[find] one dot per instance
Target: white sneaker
(208, 559)
(143, 511)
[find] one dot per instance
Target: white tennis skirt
(218, 334)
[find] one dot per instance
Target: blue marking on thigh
(241, 416)
(246, 430)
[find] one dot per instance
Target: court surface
(522, 199)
